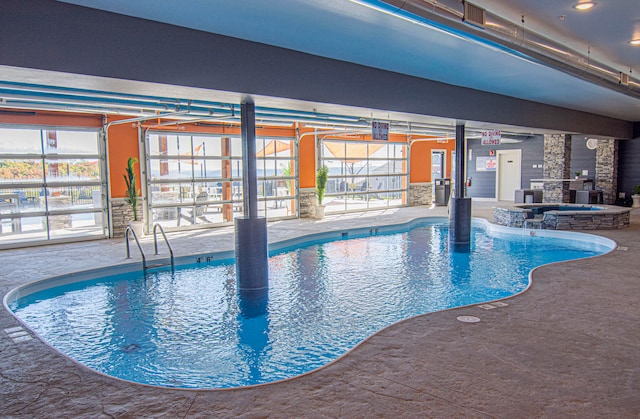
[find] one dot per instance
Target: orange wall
(123, 143)
(307, 154)
(52, 119)
(420, 160)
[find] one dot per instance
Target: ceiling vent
(473, 14)
(624, 79)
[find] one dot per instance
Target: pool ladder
(130, 230)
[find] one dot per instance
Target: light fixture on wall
(584, 5)
(635, 42)
(592, 143)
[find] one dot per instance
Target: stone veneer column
(420, 194)
(607, 169)
(121, 214)
(557, 164)
(307, 202)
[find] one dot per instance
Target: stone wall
(509, 217)
(557, 165)
(607, 169)
(121, 214)
(420, 194)
(607, 219)
(556, 220)
(308, 202)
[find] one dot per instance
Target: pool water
(544, 208)
(186, 329)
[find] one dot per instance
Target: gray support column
(460, 207)
(249, 164)
(461, 159)
(252, 268)
(557, 165)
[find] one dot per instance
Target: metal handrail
(128, 230)
(155, 241)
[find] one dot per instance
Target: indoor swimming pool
(186, 329)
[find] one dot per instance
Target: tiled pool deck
(568, 347)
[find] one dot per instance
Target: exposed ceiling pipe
(47, 90)
(142, 108)
(64, 108)
(224, 118)
(145, 118)
(448, 16)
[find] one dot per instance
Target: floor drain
(468, 319)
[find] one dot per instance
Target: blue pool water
(186, 329)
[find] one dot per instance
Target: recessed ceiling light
(635, 42)
(584, 5)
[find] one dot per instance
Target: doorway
(508, 174)
(438, 164)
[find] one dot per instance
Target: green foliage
(321, 182)
(32, 169)
(132, 192)
(636, 190)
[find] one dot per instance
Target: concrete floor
(567, 347)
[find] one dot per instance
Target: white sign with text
(380, 131)
(491, 137)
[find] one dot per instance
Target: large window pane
(22, 199)
(212, 166)
(75, 142)
(20, 171)
(236, 147)
(207, 168)
(20, 141)
(74, 197)
(364, 175)
(61, 170)
(210, 146)
(33, 204)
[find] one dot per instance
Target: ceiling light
(584, 6)
(635, 42)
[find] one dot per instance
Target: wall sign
(485, 164)
(491, 137)
(380, 131)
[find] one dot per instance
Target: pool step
(158, 265)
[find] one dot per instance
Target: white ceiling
(348, 30)
(605, 30)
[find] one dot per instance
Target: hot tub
(557, 216)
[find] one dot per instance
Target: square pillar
(557, 166)
(607, 169)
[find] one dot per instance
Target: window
(197, 179)
(364, 175)
(51, 185)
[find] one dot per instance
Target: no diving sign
(491, 137)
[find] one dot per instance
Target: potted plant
(636, 196)
(132, 196)
(577, 175)
(321, 186)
